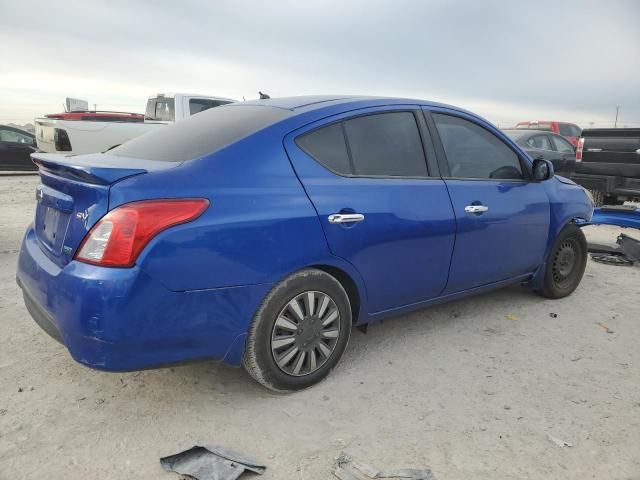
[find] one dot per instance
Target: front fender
(569, 204)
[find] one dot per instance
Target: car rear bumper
(120, 319)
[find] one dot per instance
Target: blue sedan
(259, 233)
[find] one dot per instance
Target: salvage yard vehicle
(260, 233)
(16, 147)
(548, 146)
(570, 131)
(608, 164)
(75, 133)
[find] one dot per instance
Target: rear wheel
(566, 263)
(299, 332)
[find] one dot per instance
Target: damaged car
(259, 233)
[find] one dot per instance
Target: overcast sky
(507, 60)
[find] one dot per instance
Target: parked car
(259, 233)
(75, 136)
(608, 164)
(548, 146)
(16, 147)
(570, 131)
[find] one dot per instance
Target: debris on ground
(553, 315)
(512, 316)
(211, 462)
(348, 469)
(558, 442)
(604, 327)
(626, 252)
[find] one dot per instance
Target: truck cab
(170, 107)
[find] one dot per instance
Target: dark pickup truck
(608, 164)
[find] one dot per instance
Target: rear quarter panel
(260, 225)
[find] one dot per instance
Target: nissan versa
(258, 233)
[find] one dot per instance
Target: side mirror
(542, 170)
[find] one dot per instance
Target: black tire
(260, 353)
(566, 263)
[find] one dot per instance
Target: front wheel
(299, 332)
(566, 263)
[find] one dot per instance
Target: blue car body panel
(620, 217)
(196, 286)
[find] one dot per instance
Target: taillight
(579, 149)
(119, 237)
(61, 140)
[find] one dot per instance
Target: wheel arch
(349, 286)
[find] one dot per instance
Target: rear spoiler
(96, 168)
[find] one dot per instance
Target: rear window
(160, 109)
(201, 134)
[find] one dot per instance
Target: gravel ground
(475, 389)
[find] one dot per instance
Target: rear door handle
(345, 217)
(476, 209)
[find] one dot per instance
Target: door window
(540, 141)
(562, 145)
(473, 152)
(14, 137)
(328, 147)
(383, 144)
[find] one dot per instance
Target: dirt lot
(472, 389)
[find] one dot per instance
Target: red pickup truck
(570, 131)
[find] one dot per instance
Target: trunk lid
(74, 194)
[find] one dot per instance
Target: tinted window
(201, 134)
(540, 141)
(575, 131)
(197, 105)
(473, 152)
(562, 145)
(327, 146)
(386, 144)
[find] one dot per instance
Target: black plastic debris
(626, 252)
(348, 469)
(211, 462)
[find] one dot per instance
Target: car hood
(565, 180)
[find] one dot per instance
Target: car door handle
(345, 217)
(476, 209)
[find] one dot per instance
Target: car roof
(315, 102)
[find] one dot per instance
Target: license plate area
(51, 227)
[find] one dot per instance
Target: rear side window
(562, 145)
(327, 146)
(473, 152)
(386, 144)
(540, 141)
(201, 134)
(383, 144)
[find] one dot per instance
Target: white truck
(103, 132)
